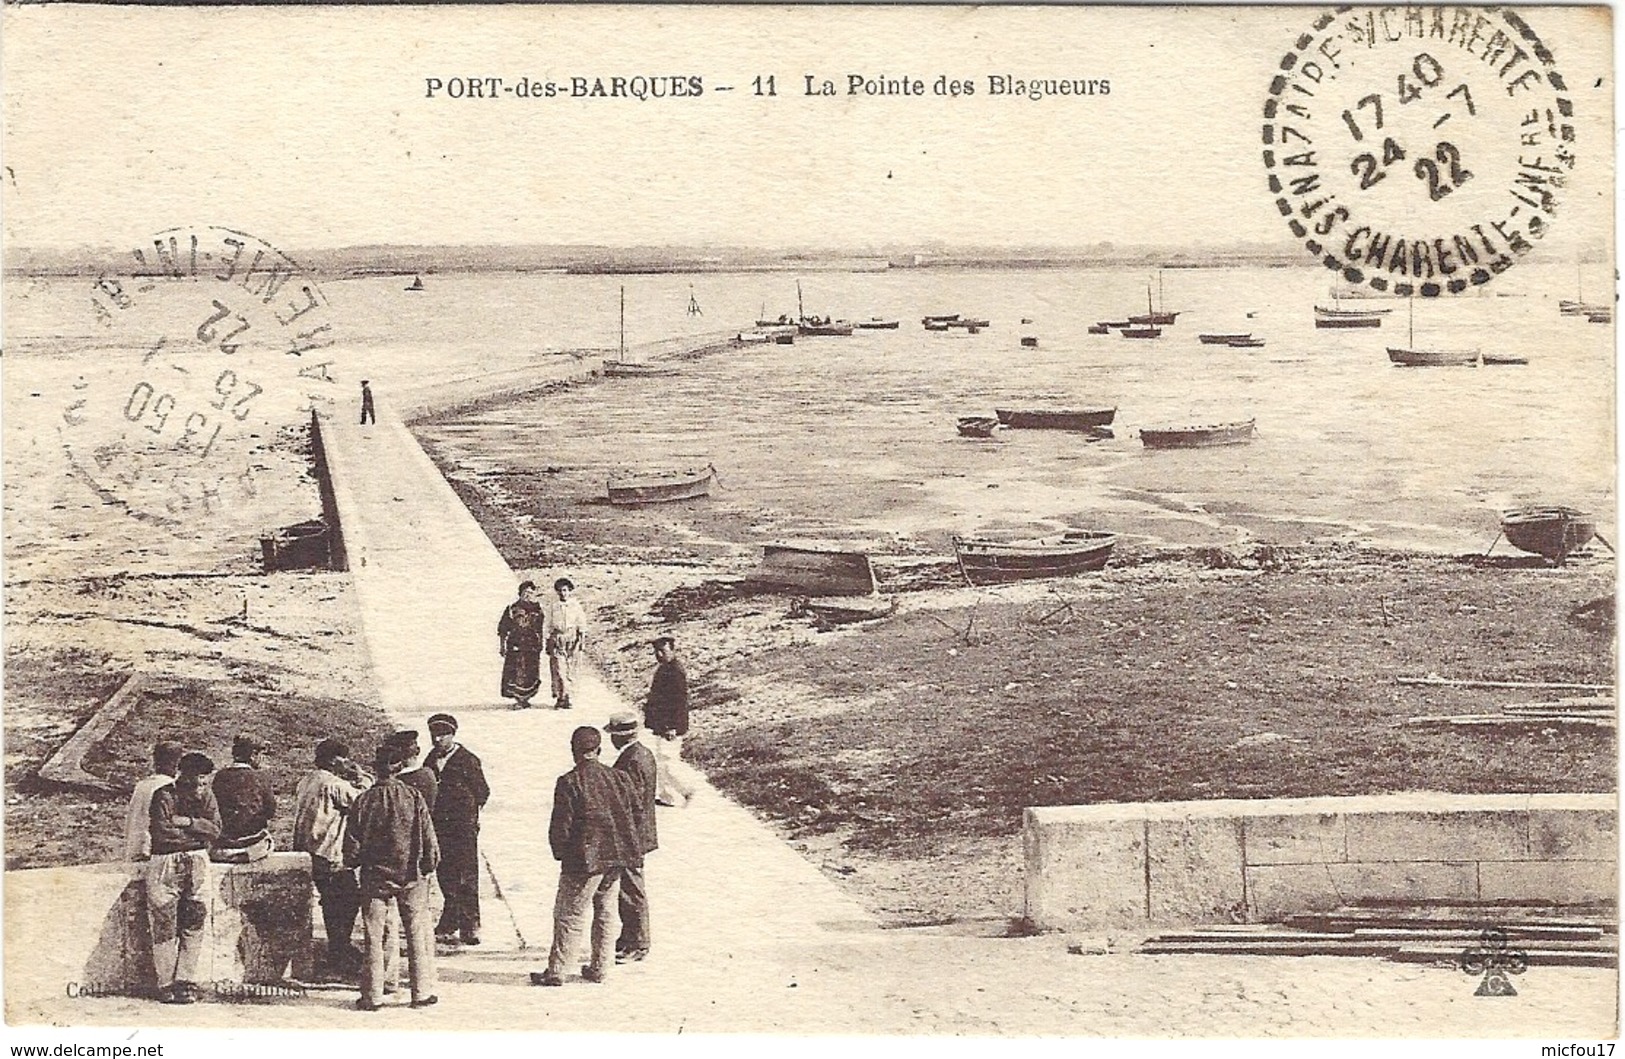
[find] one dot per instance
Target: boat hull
(1202, 437)
(1153, 319)
(1223, 340)
(637, 490)
(977, 426)
(629, 370)
(1433, 358)
(1057, 419)
(1552, 532)
(815, 571)
(989, 562)
(879, 325)
(1347, 321)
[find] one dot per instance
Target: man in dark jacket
(390, 838)
(638, 762)
(247, 802)
(462, 793)
(666, 714)
(594, 835)
(184, 819)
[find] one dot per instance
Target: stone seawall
(1150, 864)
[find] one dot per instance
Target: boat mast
(1161, 305)
(623, 323)
(801, 312)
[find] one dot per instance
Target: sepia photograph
(994, 522)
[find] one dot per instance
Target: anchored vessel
(1057, 418)
(1199, 437)
(1552, 530)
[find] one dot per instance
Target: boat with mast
(818, 325)
(1158, 317)
(1145, 326)
(1411, 357)
(621, 368)
(416, 284)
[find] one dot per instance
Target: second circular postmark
(215, 341)
(1419, 150)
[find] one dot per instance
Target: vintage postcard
(899, 520)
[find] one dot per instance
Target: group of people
(376, 840)
(379, 838)
(178, 824)
(527, 629)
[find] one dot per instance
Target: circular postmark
(1418, 150)
(214, 341)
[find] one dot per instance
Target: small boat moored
(1342, 318)
(416, 284)
(1494, 359)
(987, 561)
(1433, 358)
(1552, 531)
(978, 426)
(875, 323)
(1199, 437)
(1057, 418)
(630, 488)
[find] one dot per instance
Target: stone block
(1573, 834)
(1274, 890)
(1195, 870)
(1306, 838)
(1437, 836)
(261, 924)
(1556, 881)
(1084, 874)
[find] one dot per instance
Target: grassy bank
(917, 741)
(277, 657)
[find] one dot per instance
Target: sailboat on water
(1411, 357)
(1597, 314)
(1145, 326)
(1158, 317)
(621, 368)
(817, 325)
(417, 283)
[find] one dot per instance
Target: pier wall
(1155, 864)
(85, 928)
(337, 557)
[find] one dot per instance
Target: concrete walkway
(431, 587)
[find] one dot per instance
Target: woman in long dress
(521, 632)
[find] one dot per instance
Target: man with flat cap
(594, 839)
(184, 819)
(638, 762)
(462, 792)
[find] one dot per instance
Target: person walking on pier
(392, 840)
(566, 636)
(594, 838)
(369, 414)
(462, 793)
(638, 762)
(184, 820)
(665, 713)
(321, 802)
(520, 632)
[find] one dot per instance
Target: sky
(311, 127)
